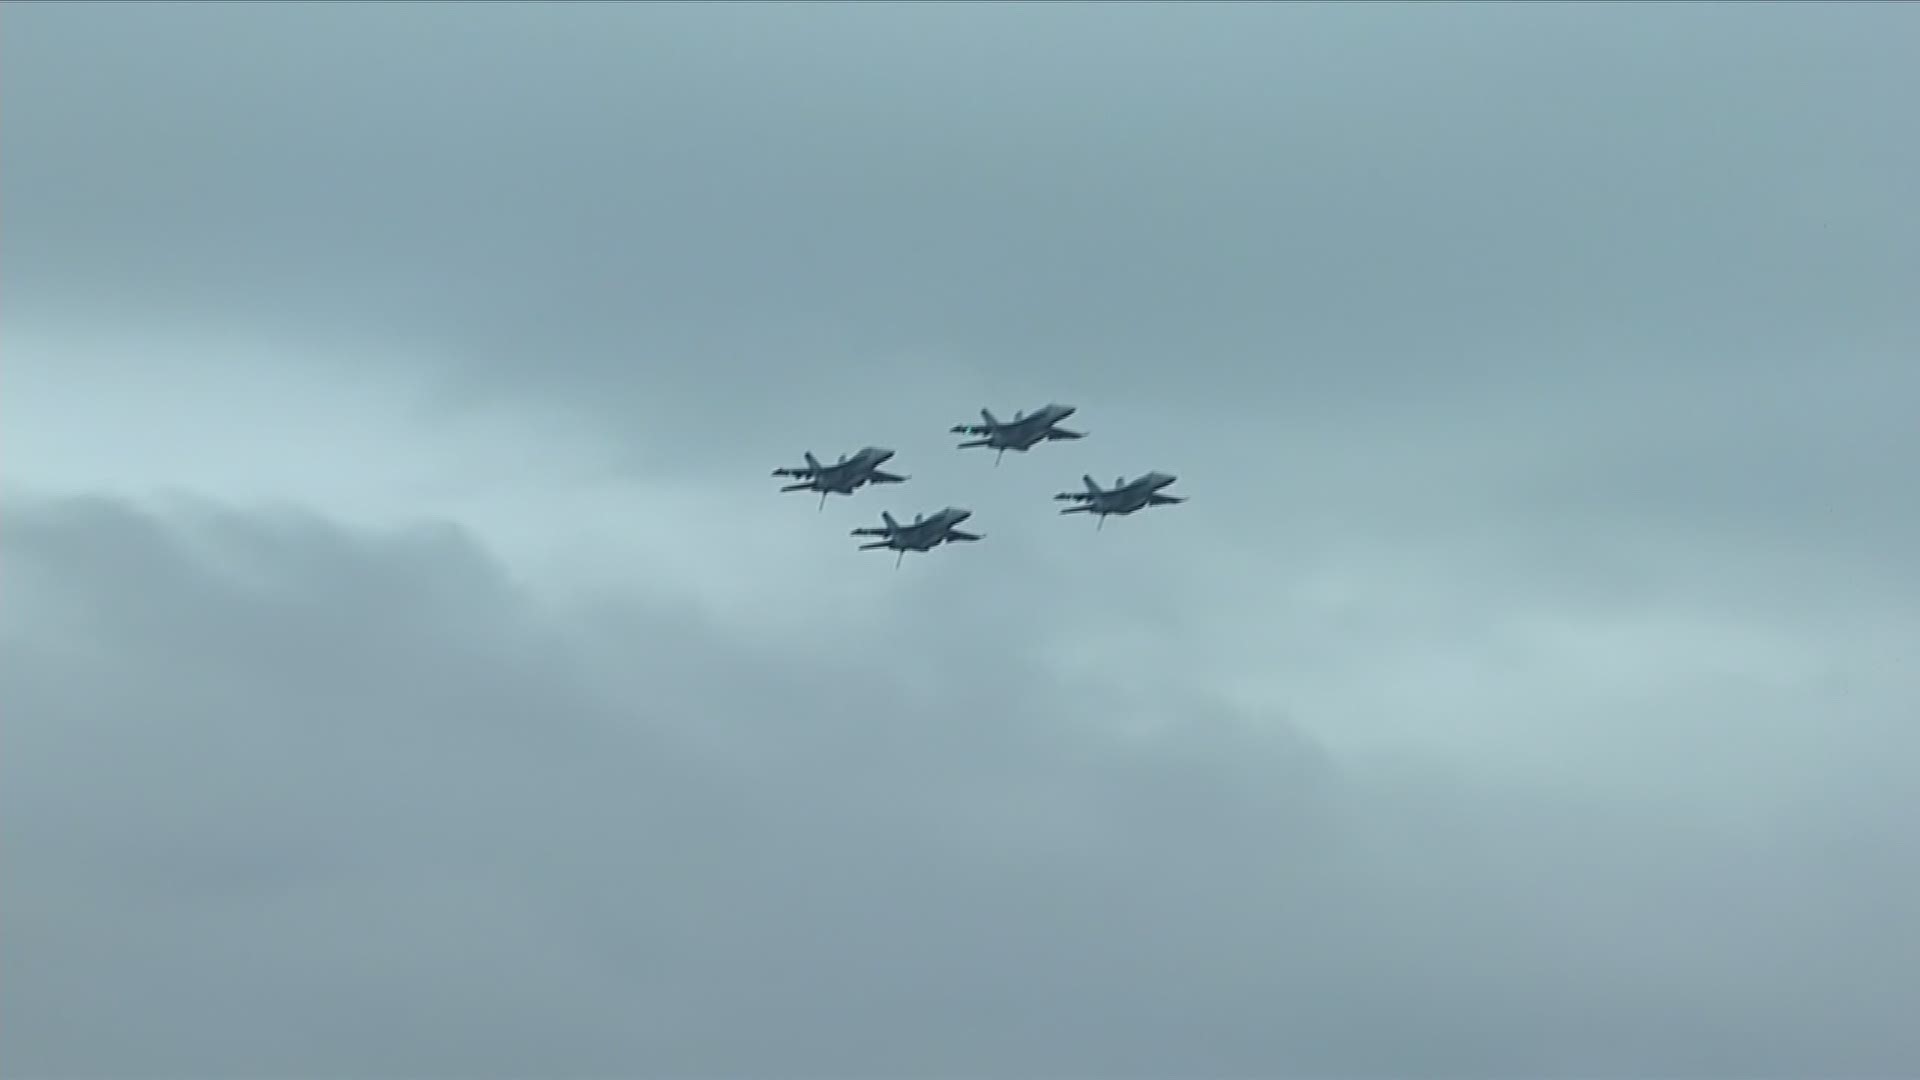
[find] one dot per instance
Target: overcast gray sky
(410, 669)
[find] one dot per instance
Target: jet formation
(927, 531)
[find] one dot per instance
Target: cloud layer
(407, 669)
(285, 797)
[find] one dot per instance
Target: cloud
(354, 802)
(408, 669)
(661, 208)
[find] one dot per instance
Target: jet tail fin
(987, 415)
(812, 462)
(1087, 479)
(888, 518)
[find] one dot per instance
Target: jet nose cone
(959, 514)
(881, 453)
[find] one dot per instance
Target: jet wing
(1164, 500)
(957, 534)
(880, 477)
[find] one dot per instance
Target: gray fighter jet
(921, 534)
(1021, 433)
(1125, 497)
(843, 476)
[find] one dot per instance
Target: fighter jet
(1021, 433)
(1123, 498)
(843, 476)
(922, 534)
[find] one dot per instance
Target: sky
(409, 668)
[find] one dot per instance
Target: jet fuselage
(1021, 433)
(928, 532)
(921, 534)
(842, 477)
(1125, 497)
